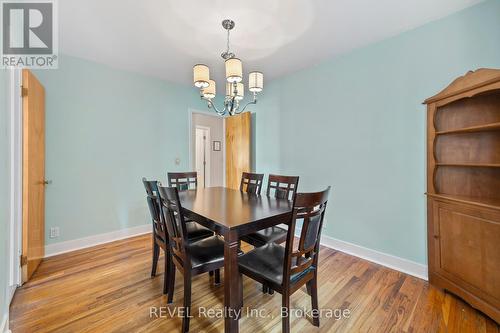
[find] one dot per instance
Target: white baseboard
(11, 291)
(82, 243)
(4, 325)
(384, 259)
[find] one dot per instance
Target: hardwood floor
(108, 288)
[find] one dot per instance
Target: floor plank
(108, 288)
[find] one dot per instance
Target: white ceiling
(164, 38)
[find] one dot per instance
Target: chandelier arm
(254, 101)
(212, 105)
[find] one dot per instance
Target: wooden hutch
(463, 189)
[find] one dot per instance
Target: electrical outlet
(177, 161)
(54, 232)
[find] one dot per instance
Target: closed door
(33, 247)
(238, 131)
(469, 254)
(202, 155)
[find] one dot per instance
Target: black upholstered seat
(206, 251)
(267, 262)
(269, 235)
(196, 231)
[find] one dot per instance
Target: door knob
(46, 182)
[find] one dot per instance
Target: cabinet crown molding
(469, 81)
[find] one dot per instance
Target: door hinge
(24, 91)
(24, 260)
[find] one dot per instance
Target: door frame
(16, 176)
(191, 163)
(208, 158)
(14, 225)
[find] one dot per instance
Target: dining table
(231, 214)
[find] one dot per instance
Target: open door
(238, 132)
(33, 247)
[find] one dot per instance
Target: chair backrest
(251, 182)
(176, 226)
(284, 187)
(183, 180)
(309, 207)
(153, 200)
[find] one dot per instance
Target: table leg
(232, 281)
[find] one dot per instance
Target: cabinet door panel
(469, 248)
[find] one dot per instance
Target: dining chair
(159, 231)
(186, 181)
(190, 258)
(280, 187)
(160, 238)
(183, 180)
(285, 269)
(251, 182)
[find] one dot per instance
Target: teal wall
(105, 130)
(356, 122)
(4, 193)
(266, 131)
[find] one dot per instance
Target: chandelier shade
(234, 70)
(209, 92)
(255, 81)
(201, 76)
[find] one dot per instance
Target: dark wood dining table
(232, 214)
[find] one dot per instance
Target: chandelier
(234, 85)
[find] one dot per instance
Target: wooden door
(33, 174)
(238, 131)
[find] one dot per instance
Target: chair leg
(156, 256)
(285, 316)
(308, 287)
(171, 280)
(241, 290)
(187, 301)
(211, 273)
(217, 277)
(167, 273)
(314, 297)
(265, 289)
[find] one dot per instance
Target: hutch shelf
(463, 189)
